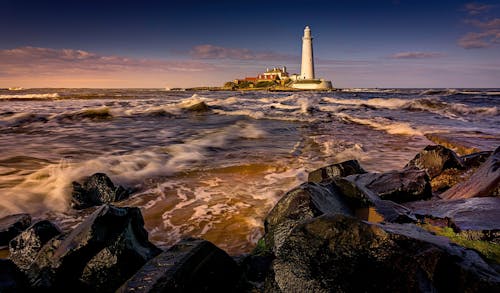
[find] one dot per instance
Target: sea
(216, 174)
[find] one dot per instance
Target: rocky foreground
(433, 226)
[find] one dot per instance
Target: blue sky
(108, 43)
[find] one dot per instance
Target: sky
(156, 44)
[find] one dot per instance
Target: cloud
(208, 51)
(416, 55)
(48, 67)
(476, 8)
(478, 40)
(487, 36)
(48, 59)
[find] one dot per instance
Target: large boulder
(307, 201)
(98, 255)
(398, 186)
(25, 247)
(342, 169)
(13, 225)
(435, 159)
(484, 182)
(337, 253)
(95, 190)
(474, 217)
(11, 278)
(191, 265)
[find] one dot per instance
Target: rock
(475, 160)
(337, 253)
(398, 186)
(367, 204)
(307, 201)
(13, 225)
(96, 190)
(98, 255)
(480, 214)
(191, 265)
(11, 279)
(435, 159)
(25, 247)
(484, 182)
(198, 107)
(336, 170)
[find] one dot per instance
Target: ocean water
(216, 174)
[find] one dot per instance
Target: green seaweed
(490, 250)
(261, 248)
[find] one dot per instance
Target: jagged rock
(398, 186)
(11, 279)
(13, 225)
(369, 206)
(336, 170)
(192, 265)
(435, 159)
(337, 253)
(98, 255)
(25, 247)
(95, 190)
(307, 201)
(484, 182)
(477, 217)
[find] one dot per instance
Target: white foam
(31, 96)
(379, 123)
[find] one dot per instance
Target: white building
(307, 80)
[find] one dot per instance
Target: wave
(433, 105)
(30, 96)
(21, 119)
(384, 124)
(49, 188)
(100, 113)
(449, 92)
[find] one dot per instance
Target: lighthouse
(307, 68)
(307, 80)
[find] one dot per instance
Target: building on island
(275, 77)
(307, 80)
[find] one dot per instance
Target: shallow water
(215, 174)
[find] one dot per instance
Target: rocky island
(432, 226)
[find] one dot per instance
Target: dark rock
(476, 159)
(336, 170)
(95, 190)
(368, 205)
(480, 214)
(337, 253)
(192, 265)
(399, 186)
(13, 225)
(11, 279)
(98, 255)
(25, 247)
(198, 107)
(484, 182)
(435, 159)
(256, 267)
(307, 201)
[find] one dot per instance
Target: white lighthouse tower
(307, 79)
(307, 68)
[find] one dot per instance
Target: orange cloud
(32, 66)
